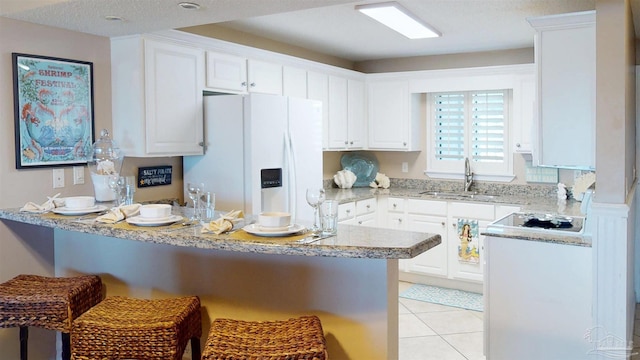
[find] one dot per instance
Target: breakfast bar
(348, 280)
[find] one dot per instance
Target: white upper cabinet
(264, 77)
(294, 82)
(394, 117)
(237, 75)
(565, 53)
(346, 122)
(226, 73)
(318, 89)
(157, 97)
(524, 95)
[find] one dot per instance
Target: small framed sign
(154, 176)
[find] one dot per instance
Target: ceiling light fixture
(399, 19)
(189, 5)
(113, 18)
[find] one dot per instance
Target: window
(468, 124)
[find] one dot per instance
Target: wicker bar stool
(47, 302)
(293, 339)
(129, 328)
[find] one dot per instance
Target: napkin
(119, 213)
(224, 223)
(51, 203)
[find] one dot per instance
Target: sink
(447, 195)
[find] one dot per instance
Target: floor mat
(449, 297)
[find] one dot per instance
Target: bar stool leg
(24, 336)
(66, 346)
(195, 349)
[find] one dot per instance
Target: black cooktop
(543, 221)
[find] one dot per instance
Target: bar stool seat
(129, 328)
(293, 339)
(47, 302)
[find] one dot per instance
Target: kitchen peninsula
(349, 281)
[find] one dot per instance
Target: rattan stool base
(129, 328)
(47, 302)
(294, 339)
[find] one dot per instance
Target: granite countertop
(527, 202)
(351, 241)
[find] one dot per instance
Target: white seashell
(344, 179)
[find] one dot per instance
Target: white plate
(258, 230)
(66, 211)
(141, 221)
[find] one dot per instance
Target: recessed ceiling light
(398, 18)
(113, 18)
(189, 5)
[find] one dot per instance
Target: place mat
(443, 296)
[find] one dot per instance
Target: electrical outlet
(405, 167)
(58, 178)
(78, 175)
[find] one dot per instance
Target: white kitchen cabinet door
(338, 119)
(394, 119)
(356, 114)
(565, 52)
(157, 97)
(294, 82)
(318, 89)
(434, 261)
(540, 293)
(462, 267)
(395, 215)
(226, 73)
(524, 107)
(264, 77)
(347, 213)
(346, 123)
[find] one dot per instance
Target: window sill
(479, 177)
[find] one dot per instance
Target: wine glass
(315, 197)
(115, 184)
(193, 190)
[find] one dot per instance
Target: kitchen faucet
(468, 175)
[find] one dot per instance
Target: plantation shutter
(488, 118)
(449, 120)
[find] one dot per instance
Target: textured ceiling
(326, 26)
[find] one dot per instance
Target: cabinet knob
(244, 83)
(348, 211)
(395, 205)
(360, 222)
(252, 84)
(346, 142)
(400, 221)
(404, 143)
(442, 223)
(368, 206)
(453, 225)
(518, 145)
(351, 143)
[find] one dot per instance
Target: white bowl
(274, 219)
(79, 202)
(155, 211)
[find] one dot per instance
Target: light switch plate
(405, 167)
(58, 178)
(78, 175)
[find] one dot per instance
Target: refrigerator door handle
(291, 160)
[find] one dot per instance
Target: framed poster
(53, 107)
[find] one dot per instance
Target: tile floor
(436, 332)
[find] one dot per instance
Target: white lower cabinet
(428, 216)
(466, 245)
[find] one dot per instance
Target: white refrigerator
(262, 153)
